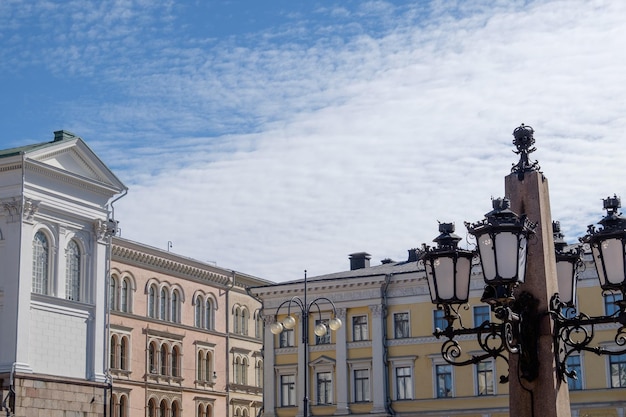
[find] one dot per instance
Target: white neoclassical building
(55, 226)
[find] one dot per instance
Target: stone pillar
(341, 370)
(378, 360)
(548, 397)
(269, 376)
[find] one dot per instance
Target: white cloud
(285, 154)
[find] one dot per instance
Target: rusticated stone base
(42, 395)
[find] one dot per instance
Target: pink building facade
(179, 343)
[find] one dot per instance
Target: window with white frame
(119, 402)
(443, 380)
(481, 315)
(204, 365)
(617, 368)
(439, 322)
(164, 302)
(361, 385)
(403, 382)
(359, 328)
(484, 378)
(287, 390)
(203, 311)
(120, 293)
(573, 364)
(401, 328)
(610, 305)
(324, 388)
(164, 358)
(41, 263)
(325, 338)
(119, 352)
(287, 338)
(204, 410)
(72, 271)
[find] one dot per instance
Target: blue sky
(276, 136)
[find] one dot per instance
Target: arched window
(244, 321)
(124, 296)
(237, 369)
(201, 411)
(124, 353)
(122, 407)
(176, 361)
(175, 308)
(175, 409)
(236, 324)
(244, 372)
(208, 314)
(200, 365)
(152, 301)
(198, 315)
(163, 409)
(164, 356)
(113, 353)
(163, 305)
(259, 374)
(41, 257)
(259, 326)
(208, 367)
(152, 358)
(152, 408)
(72, 271)
(113, 293)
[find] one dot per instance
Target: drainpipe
(386, 384)
(107, 305)
(261, 311)
(230, 286)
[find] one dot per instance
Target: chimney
(60, 135)
(412, 255)
(359, 260)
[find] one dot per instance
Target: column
(378, 360)
(269, 376)
(341, 365)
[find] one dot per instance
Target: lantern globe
(289, 322)
(335, 324)
(276, 328)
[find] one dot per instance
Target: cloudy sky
(275, 136)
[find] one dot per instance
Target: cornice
(141, 258)
(70, 178)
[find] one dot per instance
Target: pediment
(323, 360)
(74, 157)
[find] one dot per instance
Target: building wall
(379, 294)
(204, 374)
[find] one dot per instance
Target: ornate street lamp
(568, 262)
(502, 241)
(289, 323)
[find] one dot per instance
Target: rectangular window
(287, 390)
(573, 364)
(401, 325)
(443, 375)
(325, 339)
(484, 378)
(609, 303)
(438, 321)
(404, 385)
(361, 385)
(618, 371)
(286, 338)
(481, 315)
(359, 328)
(324, 388)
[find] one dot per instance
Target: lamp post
(289, 323)
(530, 279)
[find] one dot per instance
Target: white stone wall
(58, 340)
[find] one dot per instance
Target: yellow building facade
(385, 361)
